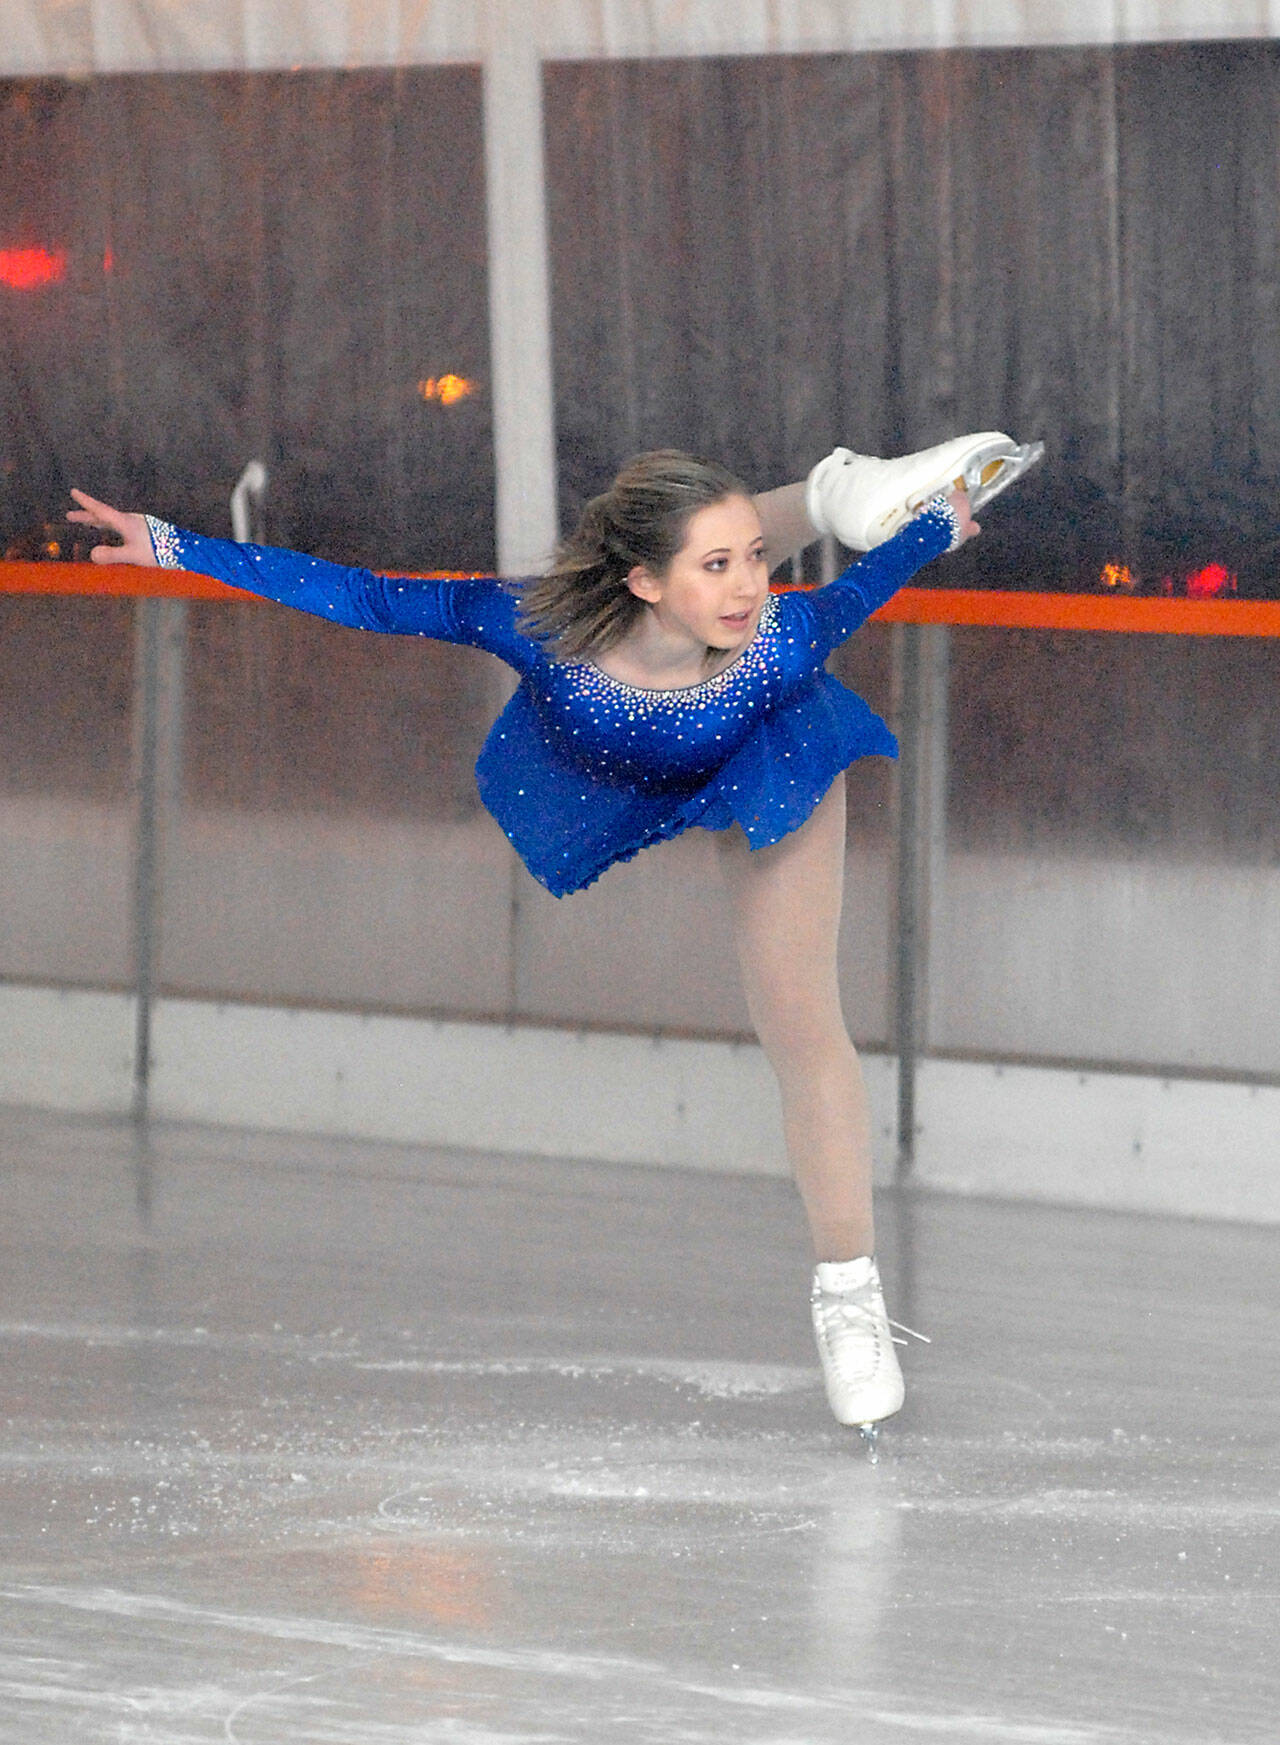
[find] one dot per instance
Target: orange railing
(116, 581)
(1008, 610)
(995, 608)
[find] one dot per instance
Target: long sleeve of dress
(837, 610)
(478, 611)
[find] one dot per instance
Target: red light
(26, 269)
(108, 260)
(1210, 583)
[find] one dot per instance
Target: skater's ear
(644, 584)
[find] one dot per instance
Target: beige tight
(786, 918)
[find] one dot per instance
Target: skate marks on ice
(297, 1474)
(367, 1685)
(713, 1380)
(1016, 1400)
(462, 1567)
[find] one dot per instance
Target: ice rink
(342, 1444)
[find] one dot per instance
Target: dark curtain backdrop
(763, 258)
(259, 265)
(255, 266)
(754, 257)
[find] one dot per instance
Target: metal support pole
(923, 685)
(519, 298)
(910, 795)
(159, 652)
(935, 721)
(145, 858)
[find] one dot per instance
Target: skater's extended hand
(136, 540)
(959, 501)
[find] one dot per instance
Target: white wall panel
(157, 35)
(1125, 1141)
(68, 1049)
(1114, 1140)
(1145, 962)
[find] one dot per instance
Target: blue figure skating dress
(581, 770)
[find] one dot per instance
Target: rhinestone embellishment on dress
(164, 542)
(592, 682)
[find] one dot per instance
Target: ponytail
(583, 605)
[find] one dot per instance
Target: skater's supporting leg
(786, 916)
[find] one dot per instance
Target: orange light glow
(1118, 577)
(108, 260)
(26, 269)
(1211, 583)
(448, 390)
(419, 1581)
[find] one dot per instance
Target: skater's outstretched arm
(479, 611)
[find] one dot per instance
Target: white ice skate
(856, 1344)
(863, 500)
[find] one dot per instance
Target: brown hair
(583, 603)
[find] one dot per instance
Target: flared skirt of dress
(569, 824)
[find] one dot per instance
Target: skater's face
(715, 586)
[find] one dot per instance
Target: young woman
(662, 686)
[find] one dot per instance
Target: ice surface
(336, 1444)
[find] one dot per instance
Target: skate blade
(988, 469)
(870, 1434)
(984, 480)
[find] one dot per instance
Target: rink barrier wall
(1092, 1138)
(922, 614)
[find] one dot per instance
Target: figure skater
(662, 687)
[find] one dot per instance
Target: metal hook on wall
(247, 501)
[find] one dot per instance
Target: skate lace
(910, 1332)
(849, 1311)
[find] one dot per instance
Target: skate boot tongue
(835, 1277)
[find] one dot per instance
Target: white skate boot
(863, 500)
(856, 1344)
